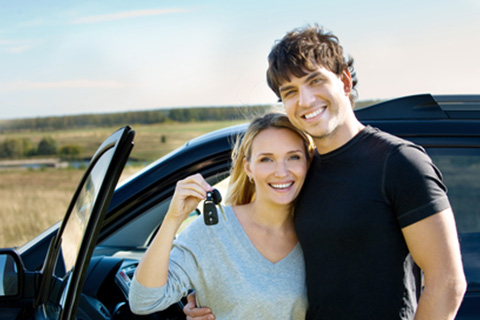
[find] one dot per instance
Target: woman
(251, 265)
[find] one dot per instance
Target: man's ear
(346, 78)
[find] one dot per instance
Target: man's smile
(314, 113)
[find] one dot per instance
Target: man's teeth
(313, 114)
(282, 185)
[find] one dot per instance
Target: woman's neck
(268, 216)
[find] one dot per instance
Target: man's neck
(338, 138)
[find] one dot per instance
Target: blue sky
(73, 57)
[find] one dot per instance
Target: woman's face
(278, 165)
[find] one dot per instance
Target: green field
(33, 200)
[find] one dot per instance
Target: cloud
(68, 84)
(18, 49)
(126, 15)
(18, 46)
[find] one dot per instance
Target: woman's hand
(188, 194)
(152, 270)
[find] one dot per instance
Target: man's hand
(194, 313)
(433, 243)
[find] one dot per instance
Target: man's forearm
(441, 301)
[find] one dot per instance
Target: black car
(83, 266)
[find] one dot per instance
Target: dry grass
(33, 200)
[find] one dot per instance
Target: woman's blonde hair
(240, 189)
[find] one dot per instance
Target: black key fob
(210, 214)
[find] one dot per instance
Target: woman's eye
(265, 160)
(295, 157)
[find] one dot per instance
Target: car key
(210, 214)
(217, 198)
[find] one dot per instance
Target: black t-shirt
(349, 216)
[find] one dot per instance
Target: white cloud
(18, 46)
(18, 49)
(33, 23)
(68, 84)
(126, 15)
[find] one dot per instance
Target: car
(82, 267)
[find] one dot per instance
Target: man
(373, 212)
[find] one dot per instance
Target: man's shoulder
(378, 136)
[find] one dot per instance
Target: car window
(461, 172)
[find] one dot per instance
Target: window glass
(461, 172)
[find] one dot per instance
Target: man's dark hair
(303, 50)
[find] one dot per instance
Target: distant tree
(47, 146)
(29, 148)
(70, 151)
(11, 148)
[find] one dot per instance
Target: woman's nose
(281, 169)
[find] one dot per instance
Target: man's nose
(306, 97)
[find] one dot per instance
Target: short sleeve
(413, 185)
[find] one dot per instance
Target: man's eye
(288, 94)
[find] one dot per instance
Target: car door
(54, 291)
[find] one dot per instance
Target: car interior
(115, 259)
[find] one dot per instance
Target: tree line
(131, 118)
(141, 117)
(14, 148)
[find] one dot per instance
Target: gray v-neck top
(229, 275)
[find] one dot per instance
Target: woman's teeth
(281, 185)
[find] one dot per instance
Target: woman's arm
(153, 268)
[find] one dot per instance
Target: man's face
(318, 103)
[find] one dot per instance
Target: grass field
(33, 200)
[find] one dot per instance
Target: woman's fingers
(188, 194)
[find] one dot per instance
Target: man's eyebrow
(313, 75)
(310, 77)
(285, 88)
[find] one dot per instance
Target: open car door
(54, 292)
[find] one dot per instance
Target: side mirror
(11, 271)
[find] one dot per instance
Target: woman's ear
(246, 167)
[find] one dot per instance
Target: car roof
(423, 107)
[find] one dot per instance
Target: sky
(68, 57)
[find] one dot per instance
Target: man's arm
(194, 313)
(433, 243)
